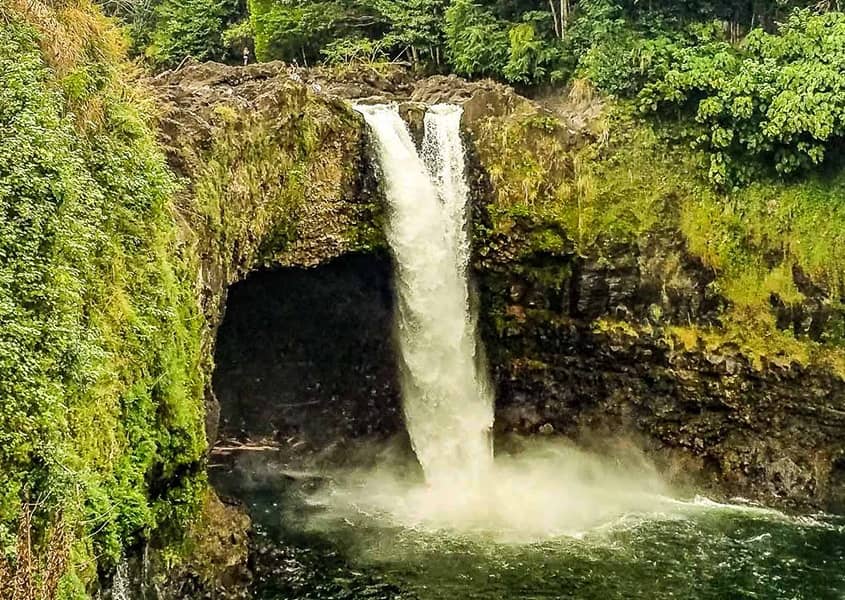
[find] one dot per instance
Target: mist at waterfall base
(543, 491)
(540, 519)
(556, 522)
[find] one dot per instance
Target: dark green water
(692, 550)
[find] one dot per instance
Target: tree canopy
(758, 83)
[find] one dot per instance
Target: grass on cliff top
(101, 424)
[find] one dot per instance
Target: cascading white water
(547, 489)
(121, 585)
(446, 398)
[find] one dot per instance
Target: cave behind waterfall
(307, 354)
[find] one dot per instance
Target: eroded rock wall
(602, 323)
(587, 347)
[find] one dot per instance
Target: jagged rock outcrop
(592, 347)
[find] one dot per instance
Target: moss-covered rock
(275, 174)
(621, 294)
(101, 423)
(210, 562)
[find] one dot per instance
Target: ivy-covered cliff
(115, 265)
(100, 428)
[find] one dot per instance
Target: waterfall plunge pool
(356, 532)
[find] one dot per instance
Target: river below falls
(309, 545)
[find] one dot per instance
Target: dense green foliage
(477, 42)
(101, 426)
(194, 28)
(168, 31)
(337, 30)
(521, 41)
(778, 100)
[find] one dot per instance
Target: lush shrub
(477, 42)
(101, 425)
(291, 30)
(777, 101)
(534, 58)
(356, 50)
(192, 28)
(340, 31)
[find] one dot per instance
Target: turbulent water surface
(649, 548)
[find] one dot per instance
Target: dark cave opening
(306, 355)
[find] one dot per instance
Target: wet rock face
(653, 278)
(214, 568)
(582, 346)
(774, 437)
(306, 354)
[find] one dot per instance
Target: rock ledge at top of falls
(240, 132)
(255, 87)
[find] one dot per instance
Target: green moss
(758, 234)
(101, 419)
(550, 197)
(592, 193)
(251, 188)
(761, 345)
(214, 544)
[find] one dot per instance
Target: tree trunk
(564, 17)
(554, 18)
(563, 6)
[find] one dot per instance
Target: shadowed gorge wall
(307, 353)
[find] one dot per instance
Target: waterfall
(446, 398)
(121, 585)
